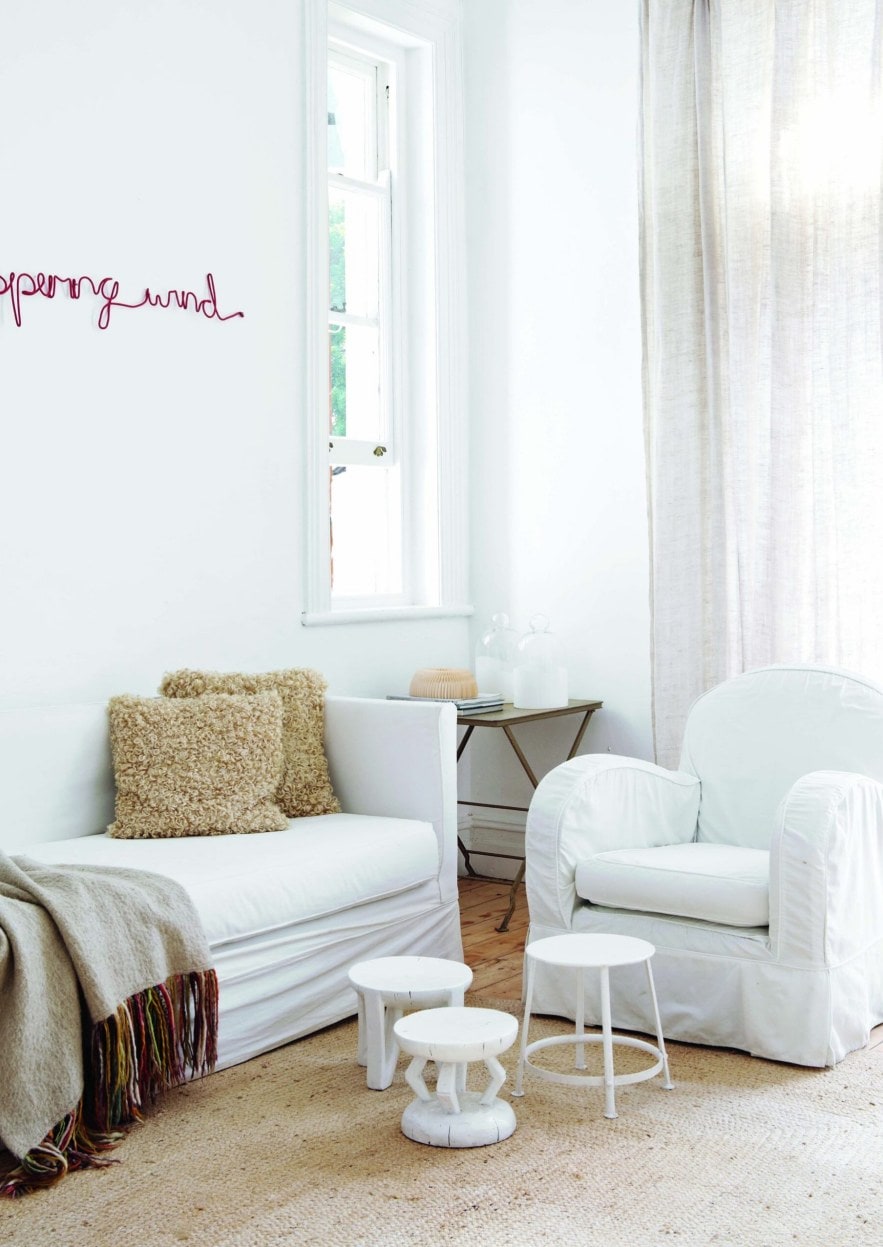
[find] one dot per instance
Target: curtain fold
(761, 168)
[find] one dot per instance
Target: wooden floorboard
(496, 957)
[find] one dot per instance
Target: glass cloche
(495, 657)
(540, 678)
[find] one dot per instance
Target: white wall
(558, 499)
(151, 474)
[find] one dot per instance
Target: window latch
(379, 451)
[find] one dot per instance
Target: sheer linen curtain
(761, 164)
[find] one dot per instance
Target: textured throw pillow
(305, 787)
(209, 766)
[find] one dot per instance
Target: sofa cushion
(248, 887)
(305, 784)
(206, 766)
(720, 883)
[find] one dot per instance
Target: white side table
(386, 987)
(582, 953)
(452, 1037)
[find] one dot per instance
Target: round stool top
(406, 975)
(456, 1034)
(590, 951)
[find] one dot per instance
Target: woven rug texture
(292, 1148)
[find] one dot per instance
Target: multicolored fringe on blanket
(157, 1039)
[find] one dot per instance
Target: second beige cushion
(305, 786)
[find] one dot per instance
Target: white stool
(453, 1116)
(591, 952)
(386, 987)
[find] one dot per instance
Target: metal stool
(582, 953)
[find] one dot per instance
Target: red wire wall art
(17, 287)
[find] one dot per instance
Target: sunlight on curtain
(762, 158)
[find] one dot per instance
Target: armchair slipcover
(756, 869)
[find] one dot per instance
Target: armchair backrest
(749, 739)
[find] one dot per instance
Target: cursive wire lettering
(17, 287)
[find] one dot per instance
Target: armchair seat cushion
(720, 883)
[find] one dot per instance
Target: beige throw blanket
(107, 996)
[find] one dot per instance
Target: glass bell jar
(495, 658)
(539, 678)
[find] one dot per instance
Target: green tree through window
(337, 253)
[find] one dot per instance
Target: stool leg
(414, 1078)
(391, 1045)
(498, 1077)
(518, 1089)
(455, 999)
(362, 1042)
(607, 1038)
(381, 1045)
(446, 1086)
(580, 1048)
(667, 1084)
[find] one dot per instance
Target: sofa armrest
(398, 758)
(826, 869)
(594, 803)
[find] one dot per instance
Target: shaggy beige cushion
(305, 787)
(204, 767)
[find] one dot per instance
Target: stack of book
(483, 704)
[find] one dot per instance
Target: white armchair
(756, 869)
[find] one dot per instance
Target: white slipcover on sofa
(756, 869)
(287, 912)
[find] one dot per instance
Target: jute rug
(292, 1148)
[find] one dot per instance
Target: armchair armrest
(826, 869)
(594, 803)
(398, 758)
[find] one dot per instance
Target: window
(366, 520)
(386, 532)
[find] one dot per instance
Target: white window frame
(424, 36)
(386, 450)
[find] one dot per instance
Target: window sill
(383, 614)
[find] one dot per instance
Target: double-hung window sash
(363, 446)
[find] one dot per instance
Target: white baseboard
(496, 833)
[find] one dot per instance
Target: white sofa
(755, 869)
(286, 913)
